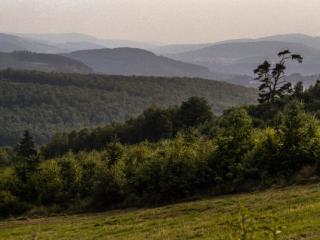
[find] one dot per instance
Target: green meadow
(296, 209)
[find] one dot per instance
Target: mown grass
(297, 208)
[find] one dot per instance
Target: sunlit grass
(297, 208)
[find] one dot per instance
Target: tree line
(47, 103)
(153, 125)
(167, 154)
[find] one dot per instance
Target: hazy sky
(167, 21)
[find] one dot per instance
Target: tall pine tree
(26, 147)
(27, 158)
(272, 78)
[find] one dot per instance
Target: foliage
(10, 204)
(26, 147)
(174, 170)
(194, 112)
(300, 139)
(164, 154)
(233, 143)
(153, 125)
(244, 228)
(27, 163)
(117, 166)
(157, 124)
(47, 103)
(247, 228)
(6, 156)
(273, 84)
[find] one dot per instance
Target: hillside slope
(49, 102)
(62, 40)
(133, 61)
(41, 62)
(296, 208)
(304, 39)
(310, 41)
(10, 43)
(243, 57)
(179, 48)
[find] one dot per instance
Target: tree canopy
(273, 84)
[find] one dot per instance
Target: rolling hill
(309, 41)
(133, 61)
(178, 48)
(41, 62)
(243, 57)
(68, 40)
(231, 60)
(47, 103)
(76, 46)
(10, 43)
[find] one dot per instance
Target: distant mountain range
(10, 43)
(243, 57)
(309, 41)
(68, 42)
(179, 48)
(232, 60)
(313, 42)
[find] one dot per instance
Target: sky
(162, 21)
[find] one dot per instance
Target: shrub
(108, 188)
(48, 183)
(70, 174)
(234, 142)
(176, 169)
(10, 204)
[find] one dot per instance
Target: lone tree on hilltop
(272, 78)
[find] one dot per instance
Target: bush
(6, 156)
(10, 204)
(234, 142)
(108, 188)
(300, 139)
(70, 175)
(174, 170)
(48, 183)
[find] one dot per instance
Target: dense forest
(41, 62)
(167, 154)
(47, 103)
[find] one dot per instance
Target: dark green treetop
(26, 147)
(272, 78)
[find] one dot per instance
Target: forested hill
(134, 61)
(42, 62)
(47, 103)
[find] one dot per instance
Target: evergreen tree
(27, 165)
(272, 78)
(27, 158)
(26, 147)
(298, 90)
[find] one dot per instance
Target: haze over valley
(159, 119)
(231, 60)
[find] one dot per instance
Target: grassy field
(297, 209)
